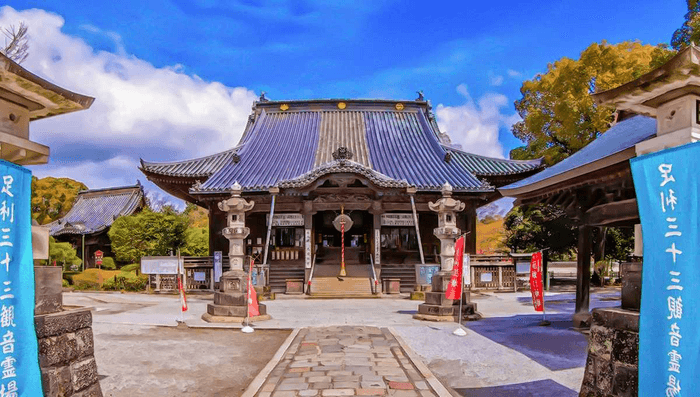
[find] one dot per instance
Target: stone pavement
(346, 361)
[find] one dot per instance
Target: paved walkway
(346, 361)
(505, 353)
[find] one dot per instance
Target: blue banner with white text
(667, 184)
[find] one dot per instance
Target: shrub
(65, 283)
(126, 281)
(90, 278)
(131, 268)
(108, 263)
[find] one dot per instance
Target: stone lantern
(447, 230)
(436, 306)
(230, 303)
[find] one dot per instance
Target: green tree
(557, 111)
(148, 233)
(534, 227)
(52, 198)
(689, 32)
(63, 254)
(196, 242)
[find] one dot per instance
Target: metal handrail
(374, 273)
(313, 266)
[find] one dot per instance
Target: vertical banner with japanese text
(536, 285)
(667, 187)
(19, 362)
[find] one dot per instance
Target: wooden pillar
(470, 229)
(583, 278)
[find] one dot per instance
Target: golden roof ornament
(342, 105)
(399, 106)
(284, 107)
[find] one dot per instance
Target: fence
(199, 275)
(493, 272)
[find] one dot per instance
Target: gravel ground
(134, 360)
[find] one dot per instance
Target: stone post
(230, 304)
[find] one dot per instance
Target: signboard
(200, 276)
(536, 286)
(19, 360)
(161, 265)
(426, 272)
(307, 248)
(486, 277)
(667, 187)
(98, 257)
(285, 220)
(218, 266)
(467, 272)
(403, 219)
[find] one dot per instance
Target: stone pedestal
(439, 308)
(230, 304)
(613, 350)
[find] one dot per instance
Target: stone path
(345, 361)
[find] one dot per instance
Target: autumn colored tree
(557, 111)
(52, 198)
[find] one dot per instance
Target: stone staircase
(281, 271)
(341, 287)
(405, 272)
(327, 284)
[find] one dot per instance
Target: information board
(161, 265)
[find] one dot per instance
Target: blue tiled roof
(287, 142)
(96, 210)
(618, 138)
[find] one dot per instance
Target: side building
(379, 162)
(87, 223)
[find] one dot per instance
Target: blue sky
(175, 79)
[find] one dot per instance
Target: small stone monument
(436, 306)
(230, 303)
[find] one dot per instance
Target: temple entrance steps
(341, 287)
(403, 271)
(280, 272)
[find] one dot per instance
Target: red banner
(183, 298)
(454, 288)
(536, 286)
(253, 309)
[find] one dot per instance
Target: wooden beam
(612, 213)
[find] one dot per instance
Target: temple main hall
(342, 183)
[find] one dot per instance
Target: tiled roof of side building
(199, 167)
(620, 137)
(95, 210)
(490, 166)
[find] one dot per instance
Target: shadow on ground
(556, 346)
(531, 389)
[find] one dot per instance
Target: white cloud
(158, 113)
(514, 73)
(495, 80)
(475, 124)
